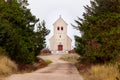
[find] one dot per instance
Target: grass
(104, 72)
(7, 66)
(70, 57)
(100, 72)
(47, 62)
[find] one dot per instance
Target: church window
(60, 36)
(58, 28)
(61, 28)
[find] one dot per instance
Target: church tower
(60, 42)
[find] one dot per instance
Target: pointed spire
(59, 16)
(60, 19)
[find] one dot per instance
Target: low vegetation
(47, 62)
(45, 51)
(100, 72)
(70, 57)
(7, 66)
(104, 72)
(25, 68)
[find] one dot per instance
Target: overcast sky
(49, 10)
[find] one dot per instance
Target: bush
(26, 58)
(45, 51)
(72, 51)
(2, 52)
(25, 68)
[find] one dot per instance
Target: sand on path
(57, 70)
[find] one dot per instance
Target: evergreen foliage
(100, 31)
(17, 35)
(40, 37)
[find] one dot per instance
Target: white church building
(60, 42)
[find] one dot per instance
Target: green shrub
(2, 52)
(47, 62)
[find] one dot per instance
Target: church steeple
(59, 16)
(60, 20)
(60, 41)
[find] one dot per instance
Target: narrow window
(58, 28)
(60, 36)
(61, 28)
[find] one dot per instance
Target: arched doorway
(60, 47)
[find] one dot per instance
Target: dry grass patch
(91, 71)
(99, 71)
(70, 57)
(103, 72)
(7, 66)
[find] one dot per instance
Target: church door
(60, 47)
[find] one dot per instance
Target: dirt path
(58, 70)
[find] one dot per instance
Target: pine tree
(17, 31)
(39, 37)
(100, 30)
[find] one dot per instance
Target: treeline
(100, 30)
(17, 35)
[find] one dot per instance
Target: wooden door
(60, 47)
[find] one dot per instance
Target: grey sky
(49, 10)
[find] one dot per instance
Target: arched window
(61, 28)
(58, 28)
(60, 36)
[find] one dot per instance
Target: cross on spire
(59, 16)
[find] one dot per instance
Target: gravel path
(58, 70)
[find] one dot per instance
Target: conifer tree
(100, 29)
(17, 35)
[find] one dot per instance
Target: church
(60, 42)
